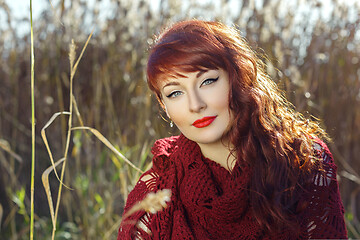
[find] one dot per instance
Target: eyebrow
(201, 72)
(174, 83)
(171, 84)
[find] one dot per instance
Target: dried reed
(45, 176)
(152, 203)
(315, 60)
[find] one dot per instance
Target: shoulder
(165, 152)
(323, 216)
(327, 168)
(164, 146)
(162, 151)
(322, 151)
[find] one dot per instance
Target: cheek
(176, 113)
(219, 101)
(224, 103)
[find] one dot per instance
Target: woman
(246, 165)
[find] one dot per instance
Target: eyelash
(204, 83)
(172, 95)
(211, 80)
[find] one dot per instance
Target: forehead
(177, 75)
(165, 79)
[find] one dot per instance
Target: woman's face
(198, 104)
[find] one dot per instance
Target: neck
(219, 152)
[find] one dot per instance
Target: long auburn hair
(266, 132)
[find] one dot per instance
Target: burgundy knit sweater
(209, 202)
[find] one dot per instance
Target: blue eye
(209, 81)
(174, 94)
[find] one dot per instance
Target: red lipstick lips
(204, 122)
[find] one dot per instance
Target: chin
(210, 138)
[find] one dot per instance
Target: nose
(196, 102)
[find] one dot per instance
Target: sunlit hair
(266, 132)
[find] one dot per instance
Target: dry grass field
(312, 50)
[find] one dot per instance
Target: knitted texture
(209, 202)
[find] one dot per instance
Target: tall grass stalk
(72, 54)
(72, 108)
(32, 128)
(73, 68)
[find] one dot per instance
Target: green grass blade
(32, 128)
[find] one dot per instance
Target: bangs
(183, 52)
(170, 63)
(174, 66)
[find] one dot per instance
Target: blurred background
(313, 53)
